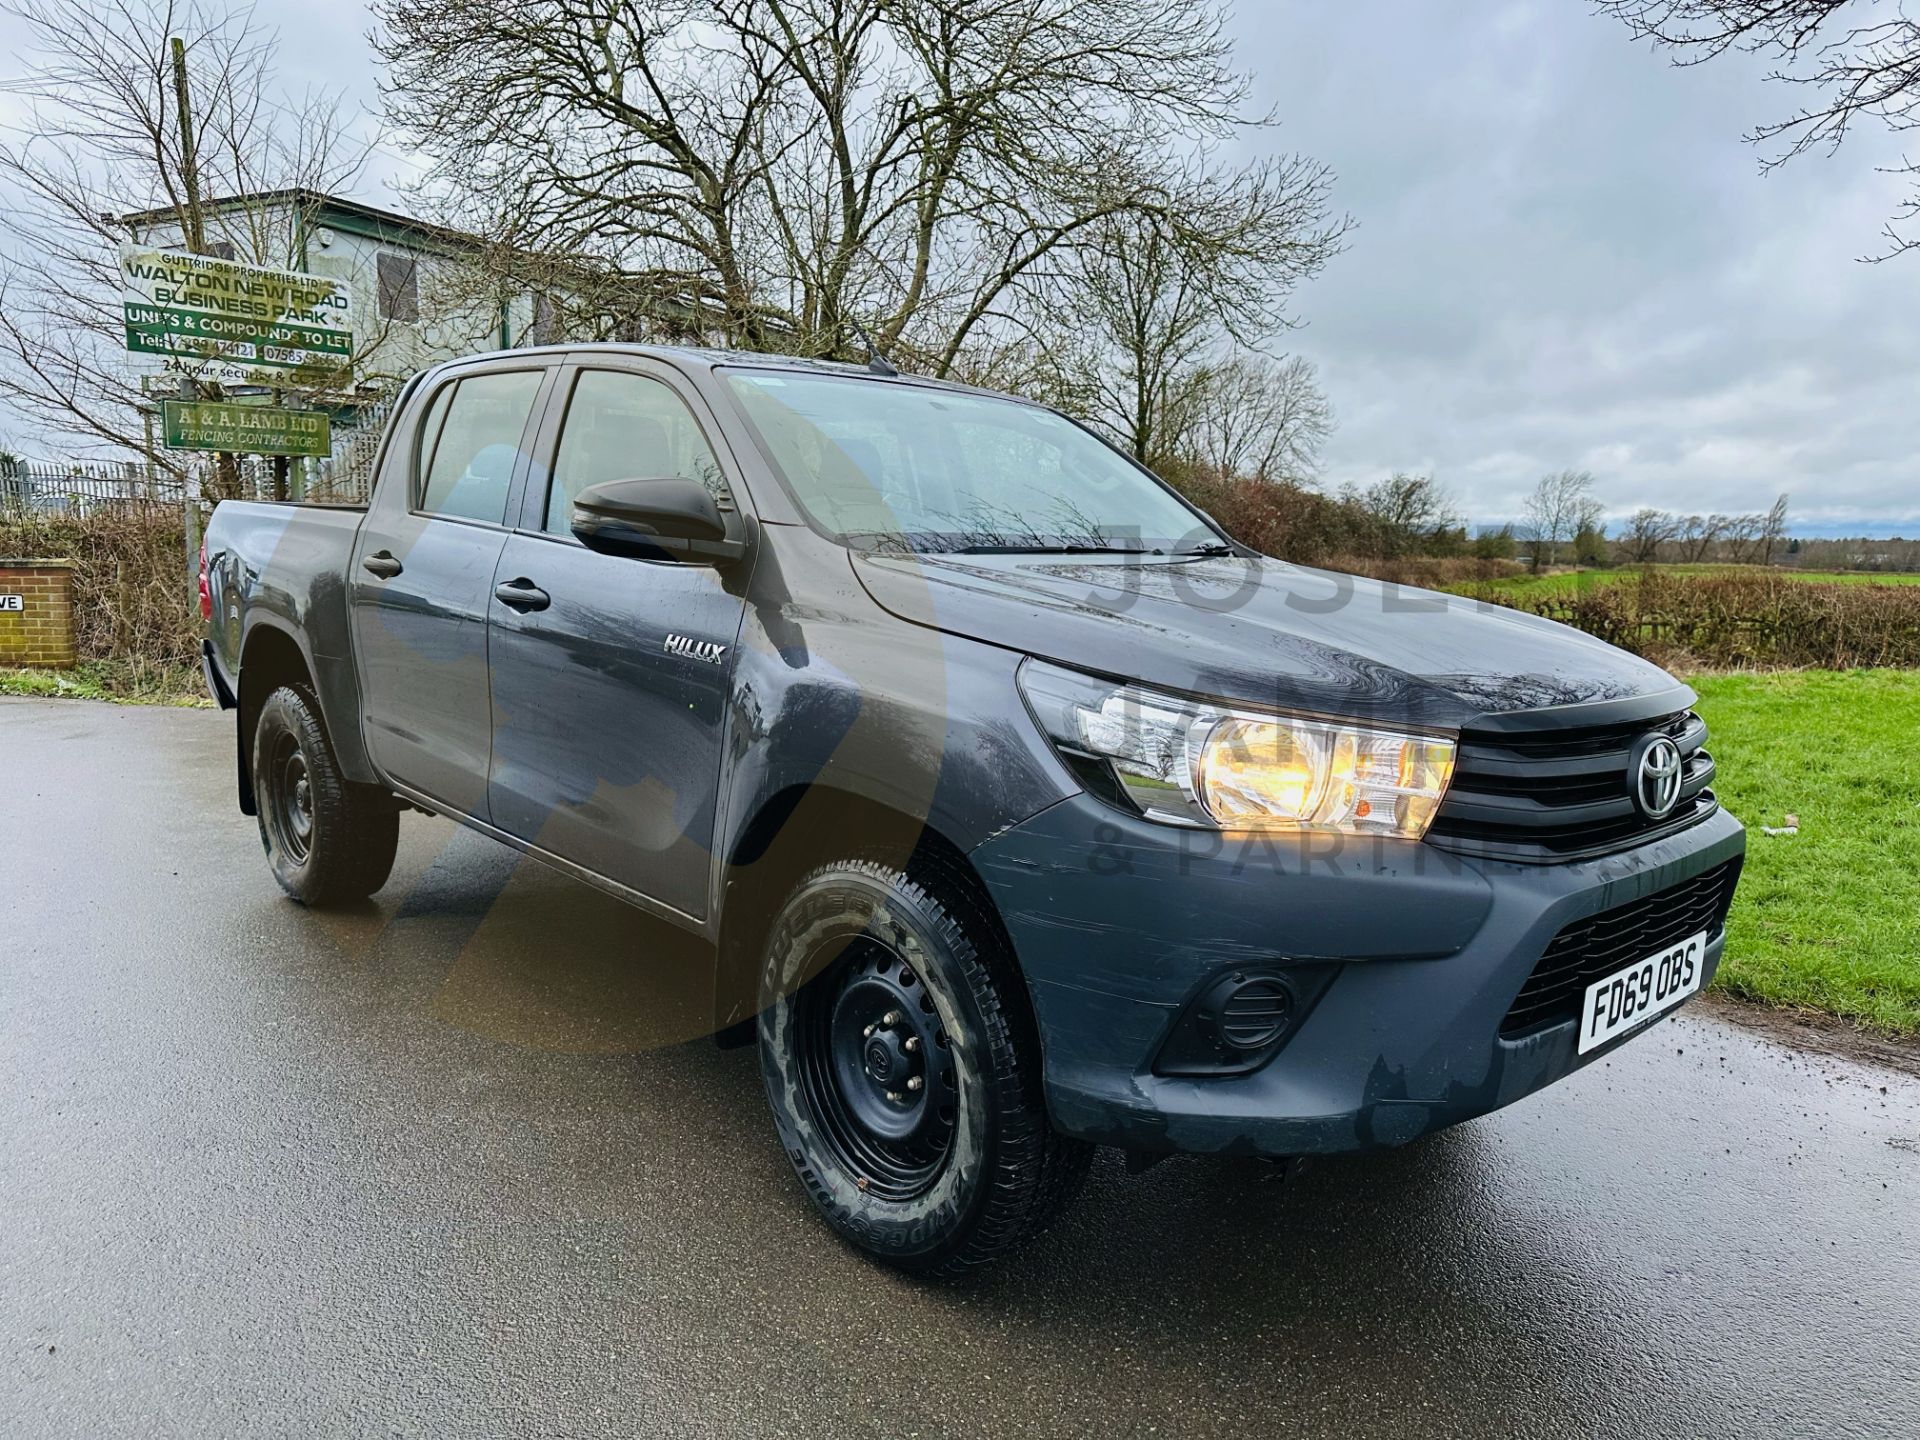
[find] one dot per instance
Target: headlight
(1189, 762)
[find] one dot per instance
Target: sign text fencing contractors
(244, 429)
(221, 321)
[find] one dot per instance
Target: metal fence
(35, 488)
(347, 474)
(32, 488)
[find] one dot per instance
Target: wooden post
(225, 469)
(189, 156)
(146, 421)
(190, 529)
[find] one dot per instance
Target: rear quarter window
(470, 442)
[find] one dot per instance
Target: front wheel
(903, 1074)
(328, 841)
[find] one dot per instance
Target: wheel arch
(782, 842)
(271, 656)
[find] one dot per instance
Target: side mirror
(665, 519)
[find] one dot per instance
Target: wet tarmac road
(454, 1164)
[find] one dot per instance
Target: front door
(611, 674)
(422, 577)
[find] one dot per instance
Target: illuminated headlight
(1189, 762)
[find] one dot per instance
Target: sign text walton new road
(221, 321)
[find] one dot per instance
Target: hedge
(1730, 622)
(131, 588)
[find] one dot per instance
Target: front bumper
(1118, 922)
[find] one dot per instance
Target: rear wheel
(903, 1073)
(328, 841)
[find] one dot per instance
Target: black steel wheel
(328, 841)
(876, 1070)
(289, 798)
(903, 1070)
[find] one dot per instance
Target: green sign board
(221, 321)
(245, 429)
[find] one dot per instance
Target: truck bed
(284, 564)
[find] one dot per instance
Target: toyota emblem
(1656, 779)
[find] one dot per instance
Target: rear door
(607, 743)
(421, 582)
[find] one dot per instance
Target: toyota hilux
(1023, 810)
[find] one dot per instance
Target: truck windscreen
(944, 470)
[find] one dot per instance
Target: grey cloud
(1566, 256)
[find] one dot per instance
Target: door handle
(522, 595)
(382, 563)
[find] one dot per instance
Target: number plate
(1636, 994)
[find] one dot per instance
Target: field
(1568, 581)
(1828, 919)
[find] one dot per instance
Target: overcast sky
(1564, 256)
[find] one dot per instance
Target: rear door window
(471, 442)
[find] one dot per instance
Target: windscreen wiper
(1211, 547)
(1050, 550)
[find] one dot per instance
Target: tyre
(904, 1074)
(328, 841)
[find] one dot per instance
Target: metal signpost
(247, 429)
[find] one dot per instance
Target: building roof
(335, 211)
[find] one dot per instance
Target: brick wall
(40, 632)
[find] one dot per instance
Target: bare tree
(1773, 530)
(1853, 60)
(1561, 505)
(1698, 535)
(781, 173)
(1860, 553)
(104, 139)
(1646, 531)
(1406, 512)
(1740, 537)
(1147, 306)
(1259, 418)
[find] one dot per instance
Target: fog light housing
(1255, 1013)
(1240, 1019)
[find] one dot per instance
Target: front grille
(1593, 948)
(1545, 796)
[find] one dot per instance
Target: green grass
(1828, 919)
(1570, 580)
(118, 681)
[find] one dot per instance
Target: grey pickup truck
(1023, 810)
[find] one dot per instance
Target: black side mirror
(666, 519)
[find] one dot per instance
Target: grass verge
(1567, 582)
(1828, 919)
(123, 682)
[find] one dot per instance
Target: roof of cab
(715, 358)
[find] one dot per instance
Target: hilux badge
(707, 650)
